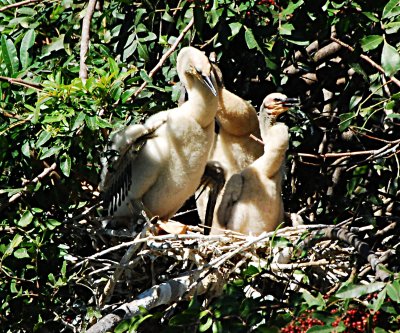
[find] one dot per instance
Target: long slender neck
(202, 104)
(235, 115)
(266, 122)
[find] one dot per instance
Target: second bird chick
(252, 200)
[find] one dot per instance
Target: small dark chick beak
(289, 102)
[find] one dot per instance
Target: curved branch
(367, 59)
(18, 4)
(85, 38)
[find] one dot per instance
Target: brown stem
(85, 38)
(21, 82)
(367, 59)
(18, 4)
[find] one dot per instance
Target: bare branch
(43, 174)
(165, 56)
(21, 82)
(85, 38)
(367, 59)
(18, 4)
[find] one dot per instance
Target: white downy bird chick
(252, 200)
(161, 162)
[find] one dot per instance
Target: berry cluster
(266, 2)
(301, 324)
(356, 320)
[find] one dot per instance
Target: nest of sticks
(152, 270)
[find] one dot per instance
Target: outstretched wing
(116, 177)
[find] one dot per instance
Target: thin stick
(85, 38)
(21, 82)
(351, 153)
(18, 4)
(164, 57)
(43, 174)
(367, 59)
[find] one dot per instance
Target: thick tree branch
(164, 293)
(85, 39)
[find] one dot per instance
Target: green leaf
(390, 59)
(27, 42)
(9, 54)
(26, 219)
(327, 328)
(250, 39)
(377, 303)
(235, 28)
(371, 42)
(393, 291)
(345, 120)
(65, 164)
(21, 253)
(47, 152)
(44, 136)
(55, 45)
(13, 244)
(355, 291)
(286, 29)
(313, 301)
(113, 66)
(51, 224)
(204, 327)
(78, 121)
(390, 6)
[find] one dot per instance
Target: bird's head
(192, 64)
(273, 105)
(276, 103)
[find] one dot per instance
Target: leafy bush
(54, 128)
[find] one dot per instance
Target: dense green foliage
(50, 118)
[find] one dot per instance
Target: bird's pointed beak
(207, 81)
(290, 102)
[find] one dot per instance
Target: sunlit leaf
(9, 54)
(356, 290)
(389, 8)
(21, 253)
(25, 219)
(65, 164)
(390, 59)
(250, 39)
(371, 42)
(27, 42)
